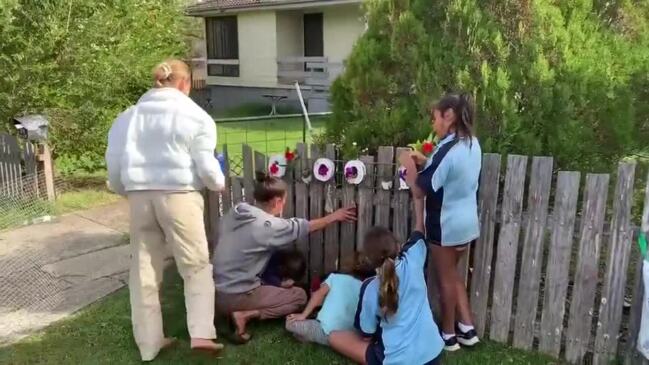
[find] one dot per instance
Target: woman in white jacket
(160, 155)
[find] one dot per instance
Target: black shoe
(451, 344)
(468, 339)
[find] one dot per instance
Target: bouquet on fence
(278, 164)
(426, 148)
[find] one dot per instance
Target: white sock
(446, 336)
(464, 328)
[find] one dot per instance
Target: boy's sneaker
(469, 338)
(450, 344)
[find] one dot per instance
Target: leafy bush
(568, 79)
(81, 63)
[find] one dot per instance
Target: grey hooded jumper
(248, 236)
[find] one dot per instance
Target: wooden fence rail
(539, 278)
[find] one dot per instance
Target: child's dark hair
(357, 267)
(268, 188)
(381, 249)
(292, 265)
(462, 106)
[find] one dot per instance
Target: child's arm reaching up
(317, 298)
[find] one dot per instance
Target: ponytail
(465, 117)
(381, 248)
(389, 288)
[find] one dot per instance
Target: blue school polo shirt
(337, 312)
(450, 181)
(410, 336)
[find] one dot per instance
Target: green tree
(567, 79)
(81, 63)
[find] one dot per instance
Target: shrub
(81, 63)
(568, 79)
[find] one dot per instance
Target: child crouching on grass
(285, 268)
(338, 295)
(393, 315)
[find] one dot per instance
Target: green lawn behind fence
(267, 135)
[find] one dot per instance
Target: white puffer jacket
(164, 142)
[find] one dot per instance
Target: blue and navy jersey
(410, 336)
(450, 181)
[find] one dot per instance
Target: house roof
(209, 7)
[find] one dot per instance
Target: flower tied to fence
(279, 164)
(324, 169)
(351, 172)
(290, 155)
(354, 172)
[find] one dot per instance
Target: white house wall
(257, 51)
(290, 34)
(343, 25)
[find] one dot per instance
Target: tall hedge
(563, 78)
(81, 63)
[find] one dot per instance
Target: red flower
(274, 168)
(427, 148)
(289, 155)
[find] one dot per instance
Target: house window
(222, 46)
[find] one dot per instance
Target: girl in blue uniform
(446, 189)
(393, 315)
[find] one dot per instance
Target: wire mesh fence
(269, 135)
(24, 201)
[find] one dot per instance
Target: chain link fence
(25, 201)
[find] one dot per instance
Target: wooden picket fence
(552, 280)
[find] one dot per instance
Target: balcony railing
(317, 73)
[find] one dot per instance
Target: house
(253, 51)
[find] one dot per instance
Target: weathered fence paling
(578, 334)
(573, 318)
(507, 248)
(619, 249)
(556, 278)
(532, 259)
(483, 250)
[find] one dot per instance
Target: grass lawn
(76, 200)
(267, 135)
(101, 334)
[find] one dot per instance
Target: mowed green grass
(267, 136)
(101, 334)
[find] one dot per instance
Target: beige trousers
(174, 218)
(270, 301)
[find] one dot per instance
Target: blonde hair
(170, 72)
